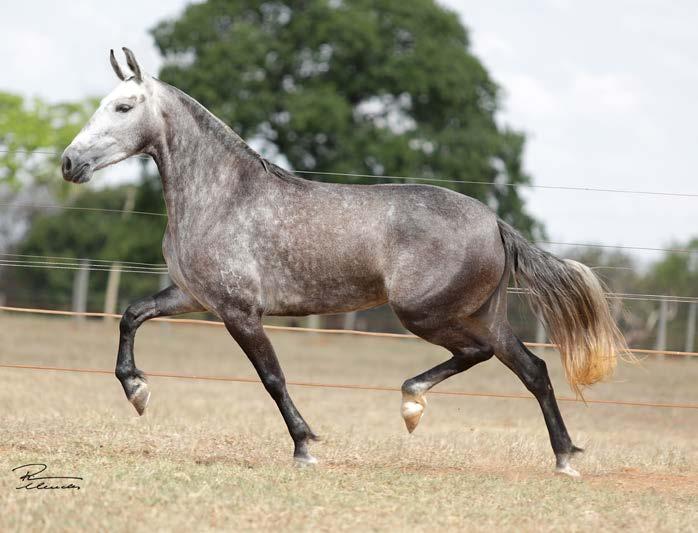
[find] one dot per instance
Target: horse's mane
(225, 134)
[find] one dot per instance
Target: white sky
(604, 91)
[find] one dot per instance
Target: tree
(676, 274)
(94, 235)
(380, 87)
(32, 136)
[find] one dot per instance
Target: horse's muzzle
(74, 170)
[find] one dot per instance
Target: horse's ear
(115, 66)
(133, 64)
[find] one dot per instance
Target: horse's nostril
(67, 164)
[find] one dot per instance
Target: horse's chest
(211, 271)
(169, 252)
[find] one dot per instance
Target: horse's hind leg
(532, 371)
(247, 330)
(170, 301)
(414, 389)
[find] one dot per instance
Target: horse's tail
(571, 300)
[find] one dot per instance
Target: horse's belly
(322, 295)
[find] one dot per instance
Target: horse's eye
(123, 108)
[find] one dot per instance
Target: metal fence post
(691, 326)
(82, 277)
(541, 335)
(111, 299)
(661, 326)
(112, 296)
(350, 320)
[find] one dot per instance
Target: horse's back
(428, 247)
(416, 246)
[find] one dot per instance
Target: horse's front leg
(170, 301)
(247, 330)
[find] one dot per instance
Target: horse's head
(122, 126)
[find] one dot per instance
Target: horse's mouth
(82, 174)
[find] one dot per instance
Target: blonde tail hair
(570, 299)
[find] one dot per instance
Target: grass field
(214, 455)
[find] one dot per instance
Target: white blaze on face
(118, 127)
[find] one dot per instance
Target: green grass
(215, 456)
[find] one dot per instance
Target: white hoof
(412, 411)
(304, 461)
(141, 396)
(567, 470)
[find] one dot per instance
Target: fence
(116, 267)
(82, 267)
(347, 386)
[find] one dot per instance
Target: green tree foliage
(675, 274)
(94, 235)
(31, 134)
(380, 87)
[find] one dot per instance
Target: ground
(215, 455)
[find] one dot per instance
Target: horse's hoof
(139, 395)
(562, 465)
(412, 411)
(304, 461)
(567, 470)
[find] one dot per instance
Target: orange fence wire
(299, 329)
(322, 385)
(377, 388)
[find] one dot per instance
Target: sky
(604, 91)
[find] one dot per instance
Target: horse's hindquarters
(448, 270)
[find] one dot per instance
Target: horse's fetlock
(412, 388)
(407, 387)
(122, 372)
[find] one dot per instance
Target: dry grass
(212, 455)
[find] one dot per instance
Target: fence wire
(294, 329)
(350, 386)
(101, 265)
(496, 183)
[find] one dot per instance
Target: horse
(246, 239)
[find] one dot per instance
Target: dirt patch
(633, 479)
(627, 479)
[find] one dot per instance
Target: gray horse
(246, 239)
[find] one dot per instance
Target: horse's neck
(198, 156)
